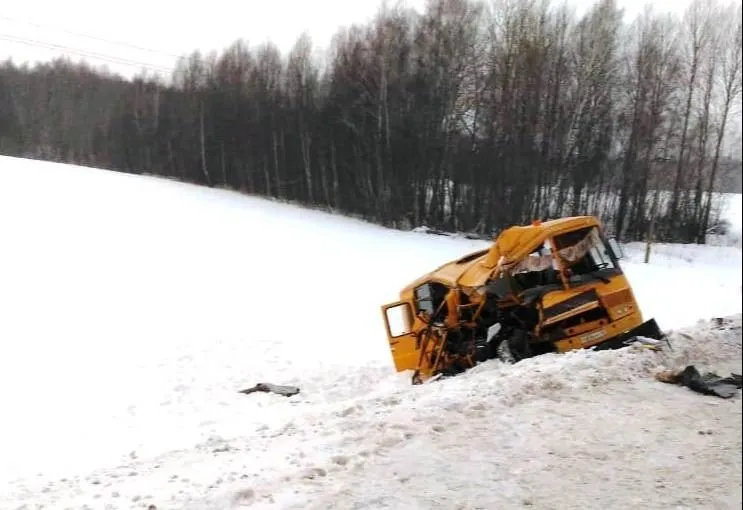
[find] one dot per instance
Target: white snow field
(133, 309)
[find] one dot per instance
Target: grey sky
(155, 32)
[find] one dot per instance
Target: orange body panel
(587, 313)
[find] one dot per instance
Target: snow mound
(498, 436)
(713, 345)
(442, 432)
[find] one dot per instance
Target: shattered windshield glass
(583, 251)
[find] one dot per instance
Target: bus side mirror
(616, 248)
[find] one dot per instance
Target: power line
(85, 53)
(88, 36)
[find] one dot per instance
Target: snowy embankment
(134, 309)
(571, 431)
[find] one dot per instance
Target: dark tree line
(470, 116)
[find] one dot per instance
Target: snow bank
(572, 430)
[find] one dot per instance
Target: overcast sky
(128, 35)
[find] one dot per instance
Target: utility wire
(88, 36)
(85, 53)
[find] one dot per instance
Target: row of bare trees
(470, 116)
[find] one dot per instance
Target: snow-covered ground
(134, 308)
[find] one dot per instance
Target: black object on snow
(286, 391)
(707, 384)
